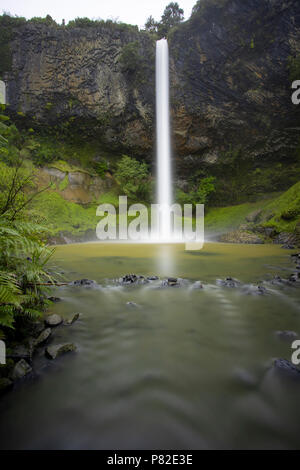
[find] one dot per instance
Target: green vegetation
(23, 253)
(283, 213)
(222, 219)
(200, 195)
(172, 16)
(278, 211)
(134, 178)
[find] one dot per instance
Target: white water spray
(164, 192)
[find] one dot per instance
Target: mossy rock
(240, 236)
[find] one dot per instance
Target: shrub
(134, 179)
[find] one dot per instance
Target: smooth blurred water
(164, 191)
(184, 369)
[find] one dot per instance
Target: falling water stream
(164, 191)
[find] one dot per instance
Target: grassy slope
(67, 216)
(280, 211)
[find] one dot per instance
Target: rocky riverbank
(32, 338)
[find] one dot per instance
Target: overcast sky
(128, 11)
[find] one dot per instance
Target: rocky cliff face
(80, 76)
(230, 83)
(230, 80)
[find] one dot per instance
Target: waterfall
(164, 192)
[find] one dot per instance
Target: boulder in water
(173, 281)
(21, 369)
(53, 320)
(285, 367)
(43, 337)
(54, 299)
(132, 305)
(84, 283)
(287, 335)
(52, 352)
(129, 279)
(73, 319)
(228, 282)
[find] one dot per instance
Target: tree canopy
(172, 16)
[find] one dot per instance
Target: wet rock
(172, 281)
(52, 352)
(241, 236)
(269, 231)
(152, 278)
(43, 337)
(254, 290)
(142, 280)
(21, 369)
(21, 351)
(54, 299)
(132, 305)
(73, 319)
(285, 367)
(197, 285)
(5, 385)
(286, 239)
(294, 277)
(129, 279)
(228, 282)
(53, 320)
(287, 246)
(37, 328)
(84, 283)
(286, 335)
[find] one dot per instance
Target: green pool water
(184, 368)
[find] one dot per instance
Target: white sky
(127, 11)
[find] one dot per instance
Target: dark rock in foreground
(21, 369)
(129, 278)
(254, 290)
(84, 283)
(43, 337)
(228, 282)
(133, 279)
(173, 281)
(285, 367)
(53, 320)
(132, 305)
(54, 299)
(73, 319)
(287, 335)
(52, 352)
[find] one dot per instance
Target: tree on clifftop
(172, 16)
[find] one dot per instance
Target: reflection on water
(185, 368)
